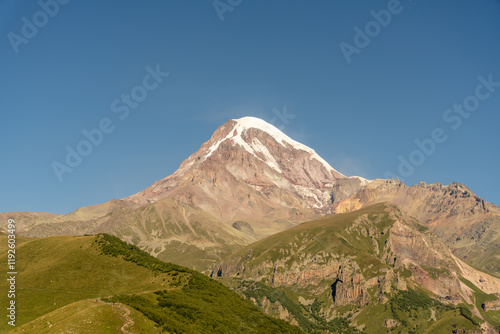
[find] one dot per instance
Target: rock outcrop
(492, 305)
(391, 323)
(349, 287)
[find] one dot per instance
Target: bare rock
(493, 305)
(391, 323)
(349, 287)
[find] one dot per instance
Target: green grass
(413, 310)
(88, 317)
(204, 311)
(330, 236)
(467, 314)
(115, 247)
(344, 235)
(450, 322)
(434, 273)
(311, 321)
(412, 300)
(410, 307)
(373, 317)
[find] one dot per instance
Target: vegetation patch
(114, 246)
(309, 318)
(434, 273)
(203, 306)
(480, 298)
(412, 309)
(467, 314)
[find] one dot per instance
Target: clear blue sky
(360, 116)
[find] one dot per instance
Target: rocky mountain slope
(249, 170)
(470, 225)
(169, 230)
(361, 271)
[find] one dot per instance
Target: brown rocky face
(470, 225)
(251, 171)
(349, 288)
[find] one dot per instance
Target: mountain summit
(241, 134)
(249, 169)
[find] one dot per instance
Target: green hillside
(346, 274)
(75, 283)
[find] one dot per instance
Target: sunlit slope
(90, 317)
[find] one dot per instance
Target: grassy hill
(90, 316)
(89, 283)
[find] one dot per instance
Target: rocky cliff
(469, 225)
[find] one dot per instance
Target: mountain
(248, 181)
(100, 284)
(372, 270)
(469, 225)
(251, 171)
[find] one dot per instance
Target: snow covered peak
(242, 124)
(248, 122)
(255, 146)
(257, 123)
(246, 155)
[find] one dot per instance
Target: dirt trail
(128, 321)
